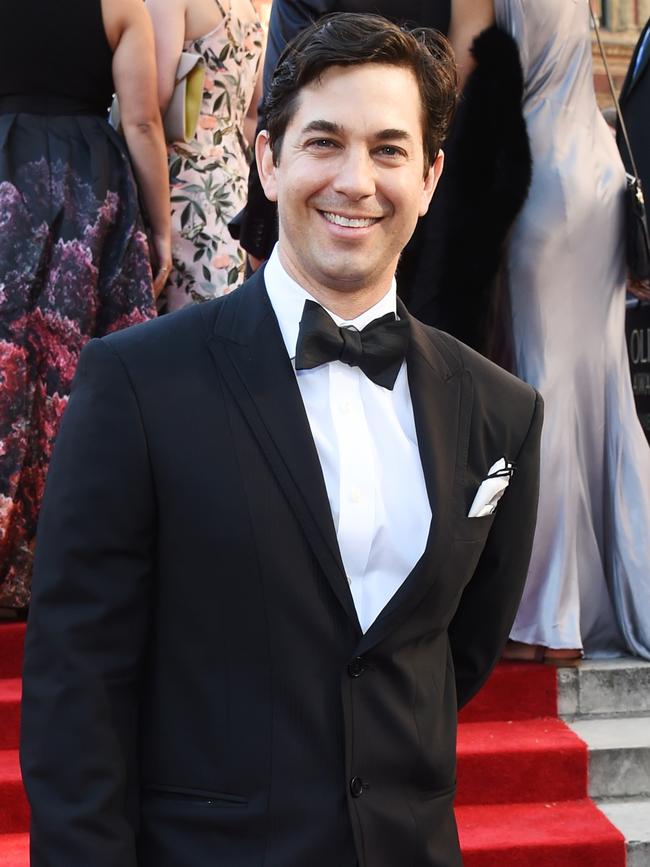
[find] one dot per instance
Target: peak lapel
(441, 393)
(251, 357)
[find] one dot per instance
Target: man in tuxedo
(251, 652)
(635, 107)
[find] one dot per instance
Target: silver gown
(589, 579)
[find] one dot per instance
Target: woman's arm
(168, 17)
(250, 121)
(468, 19)
(130, 34)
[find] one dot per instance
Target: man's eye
(321, 143)
(391, 151)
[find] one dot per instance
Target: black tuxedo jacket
(197, 690)
(256, 225)
(635, 106)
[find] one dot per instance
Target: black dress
(450, 272)
(74, 260)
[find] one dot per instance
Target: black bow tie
(378, 349)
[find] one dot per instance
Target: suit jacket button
(356, 787)
(357, 666)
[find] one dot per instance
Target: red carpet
(565, 834)
(515, 692)
(14, 812)
(495, 757)
(11, 649)
(9, 711)
(14, 850)
(522, 775)
(522, 780)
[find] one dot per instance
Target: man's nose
(355, 177)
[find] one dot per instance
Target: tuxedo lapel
(437, 392)
(251, 356)
(632, 78)
(441, 394)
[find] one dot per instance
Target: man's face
(350, 181)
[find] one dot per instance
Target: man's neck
(345, 302)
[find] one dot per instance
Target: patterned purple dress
(74, 264)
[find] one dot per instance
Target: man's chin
(346, 280)
(353, 271)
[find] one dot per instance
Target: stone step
(619, 756)
(632, 818)
(604, 688)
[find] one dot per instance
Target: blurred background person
(209, 175)
(74, 258)
(450, 275)
(481, 189)
(589, 580)
(635, 107)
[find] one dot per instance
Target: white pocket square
(492, 488)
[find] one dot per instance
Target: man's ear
(266, 166)
(431, 182)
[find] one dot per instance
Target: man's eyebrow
(394, 135)
(331, 128)
(323, 126)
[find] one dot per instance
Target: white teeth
(352, 223)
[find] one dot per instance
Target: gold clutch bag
(184, 107)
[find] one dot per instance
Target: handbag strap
(619, 113)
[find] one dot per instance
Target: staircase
(523, 780)
(607, 704)
(525, 776)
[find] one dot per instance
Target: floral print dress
(209, 175)
(74, 264)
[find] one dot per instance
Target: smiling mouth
(350, 222)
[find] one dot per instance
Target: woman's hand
(638, 288)
(161, 262)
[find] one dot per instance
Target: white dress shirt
(366, 441)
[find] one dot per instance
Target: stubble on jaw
(347, 296)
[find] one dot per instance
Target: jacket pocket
(201, 797)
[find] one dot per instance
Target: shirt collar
(288, 299)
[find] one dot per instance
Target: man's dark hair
(349, 39)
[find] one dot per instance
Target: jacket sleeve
(256, 225)
(87, 626)
(480, 627)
